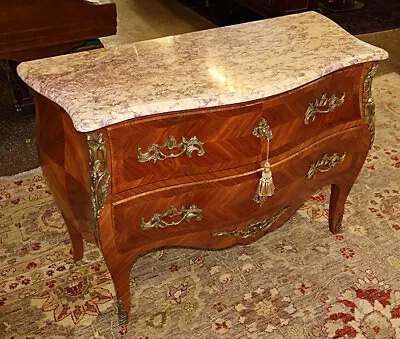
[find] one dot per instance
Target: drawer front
(144, 152)
(314, 111)
(216, 208)
(154, 149)
(198, 207)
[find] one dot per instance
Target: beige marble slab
(202, 69)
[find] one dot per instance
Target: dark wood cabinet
(38, 29)
(228, 12)
(269, 8)
(32, 29)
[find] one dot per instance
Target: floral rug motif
(299, 281)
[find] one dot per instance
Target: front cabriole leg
(118, 265)
(341, 189)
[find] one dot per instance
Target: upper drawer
(143, 151)
(315, 110)
(161, 147)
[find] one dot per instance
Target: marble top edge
(209, 68)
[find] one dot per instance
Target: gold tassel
(266, 185)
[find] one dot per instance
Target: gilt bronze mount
(254, 229)
(325, 164)
(99, 174)
(185, 214)
(155, 152)
(323, 105)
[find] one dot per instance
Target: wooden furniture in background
(271, 8)
(228, 12)
(32, 29)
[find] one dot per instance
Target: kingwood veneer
(179, 173)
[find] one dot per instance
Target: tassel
(266, 185)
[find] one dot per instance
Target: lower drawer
(219, 206)
(174, 212)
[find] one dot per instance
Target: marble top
(195, 70)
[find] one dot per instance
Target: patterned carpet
(297, 282)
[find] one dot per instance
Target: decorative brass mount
(339, 225)
(325, 164)
(369, 103)
(266, 187)
(254, 228)
(155, 151)
(186, 214)
(319, 104)
(262, 130)
(122, 313)
(99, 175)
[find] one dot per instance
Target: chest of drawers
(164, 143)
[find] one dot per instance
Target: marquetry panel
(296, 119)
(226, 137)
(64, 158)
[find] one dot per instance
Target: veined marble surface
(202, 69)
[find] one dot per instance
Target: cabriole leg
(118, 264)
(339, 195)
(76, 241)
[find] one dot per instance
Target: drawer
(224, 135)
(314, 111)
(212, 207)
(169, 146)
(204, 206)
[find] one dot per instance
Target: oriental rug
(299, 281)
